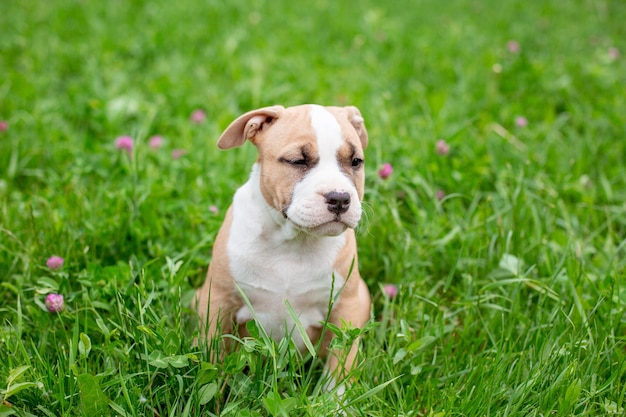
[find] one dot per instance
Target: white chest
(275, 267)
(272, 281)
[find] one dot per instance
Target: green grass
(512, 288)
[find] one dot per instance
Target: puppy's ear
(247, 126)
(354, 116)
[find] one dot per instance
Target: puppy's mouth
(332, 227)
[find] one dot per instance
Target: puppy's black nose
(337, 202)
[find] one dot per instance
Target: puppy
(288, 237)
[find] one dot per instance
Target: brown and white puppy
(288, 237)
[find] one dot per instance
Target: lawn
(502, 226)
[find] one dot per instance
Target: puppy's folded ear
(354, 116)
(247, 126)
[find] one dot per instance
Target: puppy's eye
(357, 162)
(302, 162)
(298, 162)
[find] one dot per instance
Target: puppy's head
(311, 163)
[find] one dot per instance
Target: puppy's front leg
(352, 308)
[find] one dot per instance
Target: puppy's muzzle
(337, 202)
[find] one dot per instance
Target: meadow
(493, 244)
